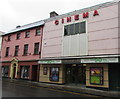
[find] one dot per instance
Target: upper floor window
(76, 28)
(18, 36)
(36, 48)
(27, 34)
(16, 50)
(9, 37)
(7, 51)
(25, 49)
(38, 31)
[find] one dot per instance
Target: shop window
(38, 31)
(25, 72)
(76, 28)
(96, 75)
(18, 36)
(54, 74)
(36, 48)
(25, 49)
(7, 51)
(45, 70)
(16, 50)
(27, 34)
(5, 71)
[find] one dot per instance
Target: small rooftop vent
(18, 26)
(53, 14)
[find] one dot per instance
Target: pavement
(71, 88)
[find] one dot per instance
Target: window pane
(7, 51)
(36, 48)
(66, 30)
(38, 31)
(82, 27)
(9, 37)
(5, 70)
(18, 36)
(16, 50)
(26, 49)
(77, 29)
(27, 34)
(72, 29)
(25, 72)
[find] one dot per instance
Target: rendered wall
(101, 36)
(31, 40)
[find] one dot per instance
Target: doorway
(34, 72)
(76, 74)
(14, 72)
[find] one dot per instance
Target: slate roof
(27, 26)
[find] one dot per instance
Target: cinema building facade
(81, 47)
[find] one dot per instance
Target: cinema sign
(76, 17)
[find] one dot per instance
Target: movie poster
(54, 74)
(96, 75)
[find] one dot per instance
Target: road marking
(83, 94)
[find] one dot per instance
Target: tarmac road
(17, 90)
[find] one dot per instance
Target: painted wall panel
(75, 45)
(103, 44)
(101, 25)
(66, 46)
(104, 34)
(83, 47)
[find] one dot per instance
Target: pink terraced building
(21, 49)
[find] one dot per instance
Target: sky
(21, 12)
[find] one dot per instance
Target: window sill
(27, 37)
(18, 39)
(24, 55)
(15, 55)
(6, 56)
(37, 35)
(35, 54)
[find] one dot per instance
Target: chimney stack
(53, 14)
(18, 26)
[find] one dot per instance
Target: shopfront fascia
(96, 70)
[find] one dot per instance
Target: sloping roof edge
(27, 26)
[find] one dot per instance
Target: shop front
(28, 71)
(51, 71)
(5, 71)
(92, 72)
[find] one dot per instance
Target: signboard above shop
(78, 61)
(49, 62)
(100, 60)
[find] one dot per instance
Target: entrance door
(34, 72)
(76, 74)
(14, 72)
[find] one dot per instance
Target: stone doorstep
(72, 88)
